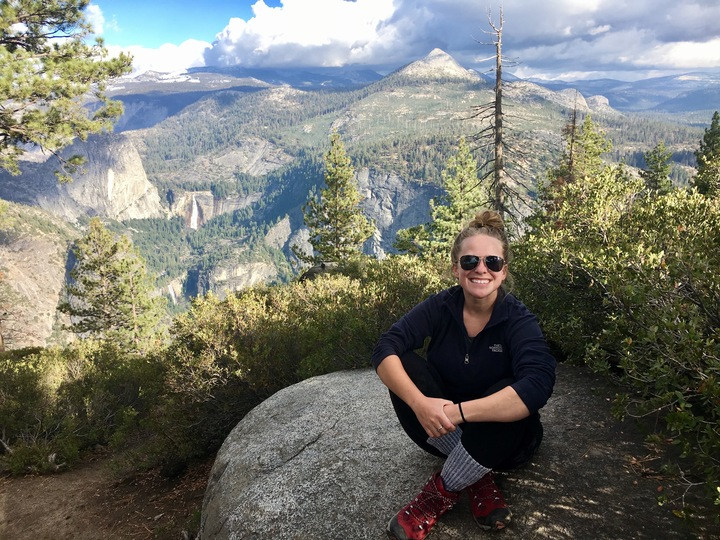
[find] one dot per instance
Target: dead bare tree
(499, 164)
(505, 198)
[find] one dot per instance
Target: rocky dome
(438, 65)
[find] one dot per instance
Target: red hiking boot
(416, 519)
(488, 504)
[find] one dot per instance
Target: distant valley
(208, 171)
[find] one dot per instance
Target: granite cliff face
(229, 277)
(197, 207)
(392, 203)
(111, 184)
(33, 255)
(252, 155)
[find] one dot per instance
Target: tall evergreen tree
(48, 71)
(657, 170)
(337, 226)
(590, 146)
(582, 157)
(707, 179)
(109, 295)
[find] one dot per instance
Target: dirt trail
(89, 503)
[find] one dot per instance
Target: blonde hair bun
(488, 219)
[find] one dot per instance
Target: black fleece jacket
(510, 346)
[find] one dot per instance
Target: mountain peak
(438, 65)
(439, 54)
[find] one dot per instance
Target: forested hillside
(251, 152)
(406, 124)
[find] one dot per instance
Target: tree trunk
(499, 163)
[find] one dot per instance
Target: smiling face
(480, 283)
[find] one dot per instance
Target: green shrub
(227, 355)
(59, 401)
(272, 337)
(400, 282)
(23, 395)
(628, 283)
(29, 417)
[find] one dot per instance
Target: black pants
(496, 445)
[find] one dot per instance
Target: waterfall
(194, 214)
(171, 291)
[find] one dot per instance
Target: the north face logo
(496, 348)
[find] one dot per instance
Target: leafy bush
(628, 283)
(56, 402)
(26, 408)
(226, 355)
(272, 337)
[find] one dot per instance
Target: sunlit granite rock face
(111, 184)
(33, 259)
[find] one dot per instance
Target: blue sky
(152, 23)
(552, 39)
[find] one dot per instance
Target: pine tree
(582, 157)
(464, 195)
(47, 72)
(412, 239)
(707, 179)
(591, 144)
(657, 170)
(109, 295)
(337, 226)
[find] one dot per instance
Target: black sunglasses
(492, 262)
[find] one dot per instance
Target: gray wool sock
(461, 470)
(447, 442)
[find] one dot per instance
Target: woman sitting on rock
(475, 398)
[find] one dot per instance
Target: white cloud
(599, 30)
(683, 54)
(321, 32)
(571, 37)
(95, 17)
(168, 58)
